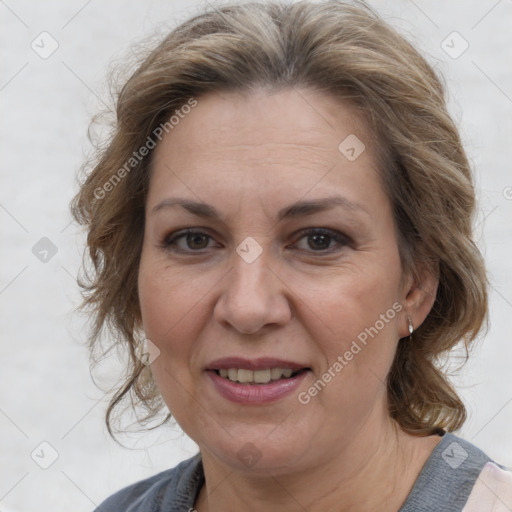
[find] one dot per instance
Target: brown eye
(197, 240)
(321, 240)
(187, 241)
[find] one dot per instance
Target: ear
(418, 295)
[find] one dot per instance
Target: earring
(411, 329)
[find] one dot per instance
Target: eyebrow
(299, 209)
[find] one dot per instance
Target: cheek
(353, 320)
(349, 301)
(164, 306)
(357, 337)
(167, 296)
(174, 308)
(169, 307)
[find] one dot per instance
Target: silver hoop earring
(411, 329)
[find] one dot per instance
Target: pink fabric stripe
(492, 491)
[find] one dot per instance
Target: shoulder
(173, 489)
(492, 491)
(454, 476)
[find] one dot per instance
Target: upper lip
(261, 363)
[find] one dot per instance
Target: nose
(252, 297)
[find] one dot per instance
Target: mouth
(256, 381)
(244, 376)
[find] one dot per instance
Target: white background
(46, 393)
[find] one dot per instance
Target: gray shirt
(444, 484)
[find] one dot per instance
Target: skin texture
(304, 299)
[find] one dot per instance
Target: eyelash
(169, 243)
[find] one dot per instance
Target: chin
(259, 449)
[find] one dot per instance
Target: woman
(280, 227)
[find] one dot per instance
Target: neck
(375, 471)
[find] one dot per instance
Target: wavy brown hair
(337, 48)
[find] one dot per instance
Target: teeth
(261, 376)
(256, 376)
(245, 376)
(276, 373)
(287, 373)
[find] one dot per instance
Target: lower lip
(256, 393)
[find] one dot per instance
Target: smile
(257, 376)
(255, 381)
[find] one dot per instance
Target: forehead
(293, 140)
(253, 118)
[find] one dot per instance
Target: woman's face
(291, 266)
